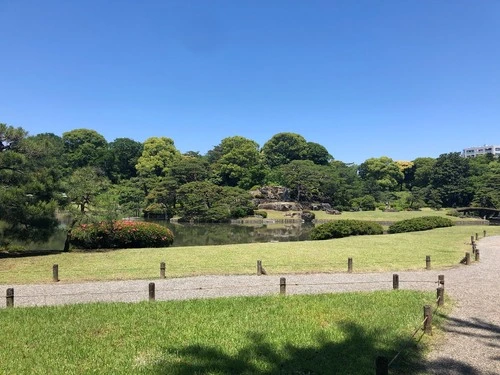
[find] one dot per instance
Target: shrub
(121, 235)
(453, 212)
(261, 213)
(345, 228)
(419, 224)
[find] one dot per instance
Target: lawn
(327, 334)
(407, 251)
(376, 215)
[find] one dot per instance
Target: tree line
(80, 172)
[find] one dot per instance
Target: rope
(406, 346)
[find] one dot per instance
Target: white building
(472, 152)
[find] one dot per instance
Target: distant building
(472, 152)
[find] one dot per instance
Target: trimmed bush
(260, 213)
(345, 228)
(121, 235)
(419, 224)
(454, 213)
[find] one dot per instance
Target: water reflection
(220, 234)
(211, 234)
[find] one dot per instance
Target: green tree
(27, 204)
(383, 172)
(83, 148)
(283, 148)
(190, 168)
(123, 155)
(158, 157)
(421, 171)
(84, 185)
(450, 178)
(237, 162)
(207, 202)
(318, 154)
(487, 192)
(304, 179)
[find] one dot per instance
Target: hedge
(120, 235)
(419, 224)
(345, 228)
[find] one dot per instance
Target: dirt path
(471, 344)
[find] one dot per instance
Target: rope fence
(382, 363)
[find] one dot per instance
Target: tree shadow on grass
(355, 354)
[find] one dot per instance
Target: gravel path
(471, 344)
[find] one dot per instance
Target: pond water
(212, 234)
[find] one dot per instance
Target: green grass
(376, 215)
(320, 334)
(406, 251)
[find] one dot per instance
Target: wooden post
(484, 233)
(395, 281)
(441, 280)
(467, 259)
(428, 320)
(349, 265)
(55, 273)
(282, 286)
(472, 239)
(259, 267)
(428, 262)
(476, 258)
(381, 366)
(151, 292)
(440, 296)
(477, 236)
(474, 248)
(162, 270)
(10, 297)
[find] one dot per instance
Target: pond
(212, 234)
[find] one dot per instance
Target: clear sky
(364, 78)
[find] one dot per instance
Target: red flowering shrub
(121, 235)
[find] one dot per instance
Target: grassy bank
(376, 215)
(328, 334)
(407, 251)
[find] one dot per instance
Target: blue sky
(397, 78)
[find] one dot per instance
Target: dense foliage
(419, 224)
(82, 173)
(120, 235)
(345, 228)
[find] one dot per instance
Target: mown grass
(406, 251)
(376, 215)
(321, 334)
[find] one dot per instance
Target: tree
(84, 147)
(421, 171)
(162, 197)
(304, 178)
(207, 202)
(123, 155)
(189, 169)
(237, 162)
(487, 192)
(450, 178)
(383, 172)
(158, 157)
(27, 204)
(318, 154)
(283, 148)
(84, 185)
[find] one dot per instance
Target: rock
(308, 217)
(272, 193)
(280, 206)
